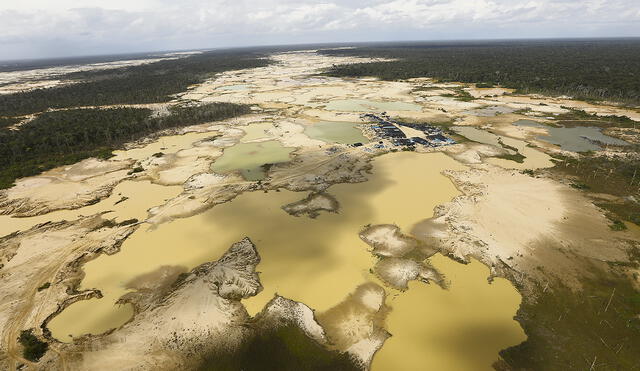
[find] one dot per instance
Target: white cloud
(40, 28)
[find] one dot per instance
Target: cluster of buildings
(385, 128)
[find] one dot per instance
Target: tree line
(584, 69)
(65, 137)
(150, 83)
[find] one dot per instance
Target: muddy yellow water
(324, 253)
(128, 200)
(336, 132)
(462, 328)
(165, 144)
(248, 158)
(256, 131)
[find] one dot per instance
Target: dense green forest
(65, 137)
(593, 69)
(150, 83)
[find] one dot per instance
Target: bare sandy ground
(63, 188)
(517, 222)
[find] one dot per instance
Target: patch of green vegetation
(517, 157)
(464, 96)
(137, 169)
(461, 95)
(615, 175)
(571, 330)
(581, 118)
(149, 83)
(128, 222)
(45, 286)
(617, 225)
(66, 137)
(33, 348)
(426, 88)
(584, 69)
(283, 349)
(579, 185)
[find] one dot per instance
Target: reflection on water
(462, 328)
(364, 105)
(249, 158)
(336, 132)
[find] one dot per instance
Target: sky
(58, 28)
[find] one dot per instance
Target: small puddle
(364, 105)
(336, 132)
(249, 158)
(462, 328)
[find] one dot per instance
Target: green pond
(249, 158)
(576, 139)
(365, 105)
(336, 132)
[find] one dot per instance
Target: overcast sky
(54, 28)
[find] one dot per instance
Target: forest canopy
(65, 137)
(149, 83)
(583, 69)
(44, 128)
